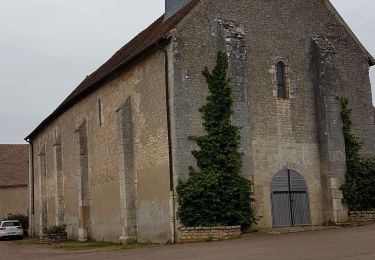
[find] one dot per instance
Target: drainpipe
(31, 188)
(171, 174)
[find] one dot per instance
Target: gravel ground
(349, 243)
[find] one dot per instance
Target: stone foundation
(288, 230)
(53, 238)
(196, 234)
(362, 216)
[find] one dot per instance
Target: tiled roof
(148, 39)
(14, 165)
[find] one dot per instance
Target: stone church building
(107, 161)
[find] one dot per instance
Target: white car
(11, 228)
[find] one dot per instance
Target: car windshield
(11, 224)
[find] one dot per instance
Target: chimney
(173, 6)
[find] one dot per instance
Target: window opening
(282, 91)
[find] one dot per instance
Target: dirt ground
(350, 243)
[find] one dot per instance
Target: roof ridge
(134, 39)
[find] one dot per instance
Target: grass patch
(31, 241)
(99, 245)
(88, 245)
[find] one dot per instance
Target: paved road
(353, 243)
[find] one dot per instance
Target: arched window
(282, 89)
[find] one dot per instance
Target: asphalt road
(351, 243)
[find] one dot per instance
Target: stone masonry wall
(127, 177)
(53, 239)
(13, 200)
(150, 157)
(332, 144)
(196, 234)
(362, 216)
(284, 132)
(353, 69)
(231, 38)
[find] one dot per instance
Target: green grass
(30, 241)
(88, 245)
(99, 245)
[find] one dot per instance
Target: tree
(359, 187)
(215, 194)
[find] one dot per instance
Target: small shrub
(23, 219)
(53, 230)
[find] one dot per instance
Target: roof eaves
(13, 186)
(63, 107)
(154, 35)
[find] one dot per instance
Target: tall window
(99, 111)
(282, 89)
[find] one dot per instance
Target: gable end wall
(284, 132)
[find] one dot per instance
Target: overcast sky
(47, 47)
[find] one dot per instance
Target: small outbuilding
(13, 179)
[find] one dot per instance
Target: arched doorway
(290, 200)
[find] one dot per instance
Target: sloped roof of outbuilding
(14, 165)
(155, 35)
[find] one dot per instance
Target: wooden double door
(290, 200)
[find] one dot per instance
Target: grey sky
(48, 46)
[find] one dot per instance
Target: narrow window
(282, 91)
(99, 108)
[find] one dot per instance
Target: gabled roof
(14, 165)
(152, 37)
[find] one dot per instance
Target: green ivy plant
(359, 188)
(215, 194)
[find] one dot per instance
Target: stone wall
(332, 144)
(362, 216)
(53, 238)
(283, 132)
(13, 200)
(100, 157)
(196, 234)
